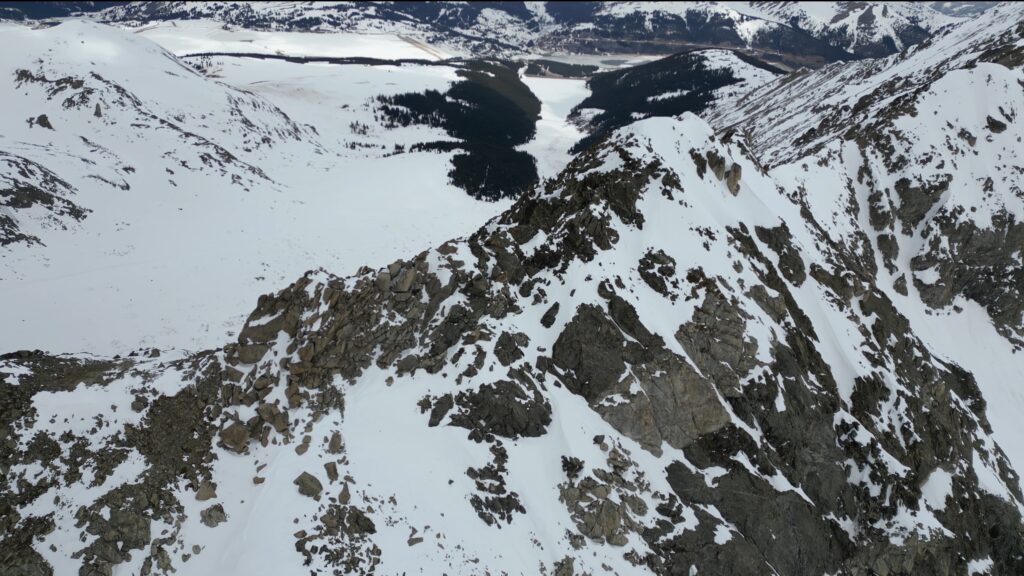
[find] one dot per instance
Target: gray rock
(207, 490)
(732, 178)
(334, 445)
(507, 350)
(235, 437)
(308, 485)
(404, 281)
(332, 471)
(213, 516)
(565, 567)
(548, 319)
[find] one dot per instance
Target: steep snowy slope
(918, 158)
(145, 203)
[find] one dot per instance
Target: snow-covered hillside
(918, 157)
(149, 201)
(701, 349)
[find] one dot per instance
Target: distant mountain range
(790, 33)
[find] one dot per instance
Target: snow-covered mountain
(685, 82)
(864, 28)
(792, 33)
(962, 8)
(128, 174)
(784, 338)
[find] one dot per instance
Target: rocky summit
(784, 337)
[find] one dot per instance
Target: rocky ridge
(759, 402)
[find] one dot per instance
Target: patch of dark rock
(590, 352)
(493, 502)
(572, 466)
(29, 185)
(780, 240)
(213, 516)
(717, 342)
(626, 318)
(879, 211)
(890, 249)
(308, 485)
(41, 120)
(235, 437)
(505, 408)
(341, 540)
(590, 502)
(917, 201)
(438, 409)
(900, 285)
(983, 265)
(548, 319)
(658, 270)
(994, 126)
(508, 349)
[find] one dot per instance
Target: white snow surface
(555, 133)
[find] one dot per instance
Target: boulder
(235, 437)
(308, 485)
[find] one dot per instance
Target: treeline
(666, 87)
(490, 112)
